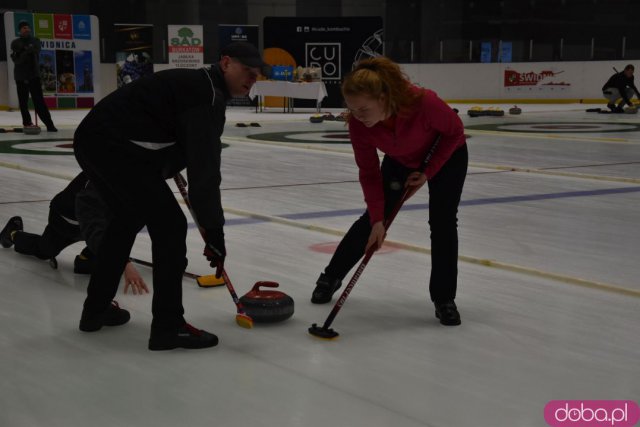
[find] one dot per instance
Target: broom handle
(182, 186)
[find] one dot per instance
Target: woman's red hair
(379, 78)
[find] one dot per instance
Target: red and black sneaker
(112, 316)
(186, 336)
(6, 238)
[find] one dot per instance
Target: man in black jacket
(620, 85)
(128, 144)
(25, 53)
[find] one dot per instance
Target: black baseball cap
(247, 54)
(23, 24)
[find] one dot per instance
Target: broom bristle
(244, 321)
(323, 333)
(210, 281)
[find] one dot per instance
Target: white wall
(4, 84)
(473, 82)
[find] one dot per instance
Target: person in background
(25, 53)
(620, 86)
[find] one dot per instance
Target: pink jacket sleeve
(370, 176)
(445, 122)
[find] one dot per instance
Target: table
(290, 91)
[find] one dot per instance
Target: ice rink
(549, 287)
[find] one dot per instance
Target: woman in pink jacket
(390, 114)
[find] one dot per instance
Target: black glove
(215, 250)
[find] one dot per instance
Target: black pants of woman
(445, 189)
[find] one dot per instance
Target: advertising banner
(237, 33)
(332, 44)
(228, 33)
(186, 48)
(536, 79)
(69, 57)
(134, 51)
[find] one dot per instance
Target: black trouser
(57, 235)
(445, 189)
(33, 86)
(137, 195)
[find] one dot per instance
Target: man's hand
(133, 280)
(215, 250)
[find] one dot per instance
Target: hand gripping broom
(242, 319)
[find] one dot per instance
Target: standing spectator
(25, 51)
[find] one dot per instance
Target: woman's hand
(378, 233)
(133, 279)
(415, 180)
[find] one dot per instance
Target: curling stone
(631, 110)
(31, 130)
(265, 306)
(495, 112)
(515, 110)
(474, 111)
(316, 118)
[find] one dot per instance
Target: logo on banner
(327, 57)
(185, 38)
(239, 35)
(43, 25)
(82, 27)
(544, 79)
(62, 26)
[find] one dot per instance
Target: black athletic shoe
(325, 288)
(612, 106)
(52, 128)
(83, 263)
(448, 314)
(186, 336)
(112, 316)
(14, 224)
(619, 110)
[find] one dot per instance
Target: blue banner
(237, 33)
(485, 52)
(82, 27)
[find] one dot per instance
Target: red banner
(62, 27)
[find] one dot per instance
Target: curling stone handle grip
(256, 287)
